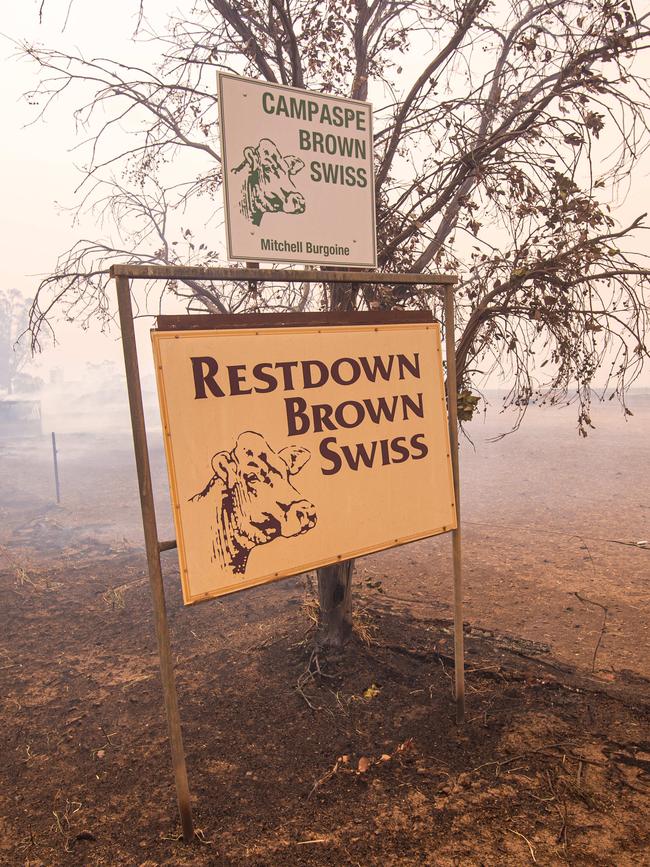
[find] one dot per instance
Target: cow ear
(251, 157)
(293, 164)
(223, 468)
(295, 457)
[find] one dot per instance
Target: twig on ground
(562, 835)
(269, 642)
(602, 627)
(512, 759)
(198, 835)
(108, 736)
(313, 668)
(315, 660)
(643, 544)
(325, 778)
(302, 694)
(580, 759)
(530, 845)
(27, 842)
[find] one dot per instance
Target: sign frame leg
(153, 555)
(452, 412)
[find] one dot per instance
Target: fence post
(56, 468)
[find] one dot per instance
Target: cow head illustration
(269, 187)
(258, 502)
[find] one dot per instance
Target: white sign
(297, 175)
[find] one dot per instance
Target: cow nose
(295, 203)
(301, 512)
(306, 513)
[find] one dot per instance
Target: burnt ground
(361, 763)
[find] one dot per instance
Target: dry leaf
(385, 758)
(372, 691)
(364, 764)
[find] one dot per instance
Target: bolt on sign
(297, 174)
(295, 447)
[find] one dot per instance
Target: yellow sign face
(292, 448)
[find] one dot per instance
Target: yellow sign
(291, 448)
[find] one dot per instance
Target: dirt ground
(359, 763)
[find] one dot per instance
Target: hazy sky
(37, 168)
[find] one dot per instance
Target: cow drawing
(269, 187)
(257, 502)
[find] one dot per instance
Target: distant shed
(19, 417)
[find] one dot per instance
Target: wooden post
(153, 555)
(56, 468)
(452, 410)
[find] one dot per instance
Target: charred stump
(335, 605)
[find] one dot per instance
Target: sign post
(452, 408)
(153, 554)
(261, 467)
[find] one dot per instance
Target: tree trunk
(335, 581)
(335, 605)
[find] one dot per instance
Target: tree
(14, 351)
(496, 151)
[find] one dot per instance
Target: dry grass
(114, 597)
(310, 609)
(364, 626)
(30, 583)
(363, 623)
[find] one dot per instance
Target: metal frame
(123, 274)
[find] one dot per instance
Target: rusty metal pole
(56, 468)
(153, 555)
(452, 411)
